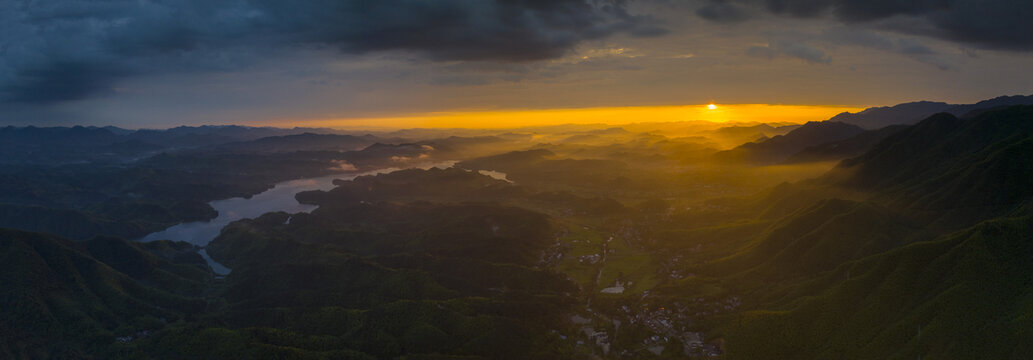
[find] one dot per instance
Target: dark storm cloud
(60, 80)
(722, 11)
(67, 49)
(513, 30)
(873, 40)
(791, 48)
(993, 24)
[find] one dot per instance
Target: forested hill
(932, 260)
(971, 167)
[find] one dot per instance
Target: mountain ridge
(913, 112)
(781, 147)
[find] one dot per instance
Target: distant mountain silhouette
(975, 166)
(738, 134)
(913, 112)
(55, 145)
(29, 135)
(83, 144)
(991, 104)
(846, 148)
(778, 148)
(302, 142)
(508, 160)
(195, 136)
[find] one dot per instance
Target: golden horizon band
(517, 118)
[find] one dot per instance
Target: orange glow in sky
(601, 115)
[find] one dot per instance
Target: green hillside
(59, 300)
(848, 279)
(383, 280)
(948, 164)
(922, 247)
(964, 296)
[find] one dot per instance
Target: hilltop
(913, 112)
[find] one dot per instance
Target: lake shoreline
(278, 198)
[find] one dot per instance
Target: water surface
(279, 198)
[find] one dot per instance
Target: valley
(585, 243)
(516, 180)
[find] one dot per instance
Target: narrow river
(279, 198)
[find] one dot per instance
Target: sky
(403, 63)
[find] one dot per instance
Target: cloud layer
(65, 50)
(796, 49)
(991, 24)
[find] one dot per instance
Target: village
(622, 320)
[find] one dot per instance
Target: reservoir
(279, 198)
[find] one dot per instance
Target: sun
(711, 106)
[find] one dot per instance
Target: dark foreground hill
(971, 168)
(360, 280)
(931, 260)
(62, 299)
(965, 295)
(352, 280)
